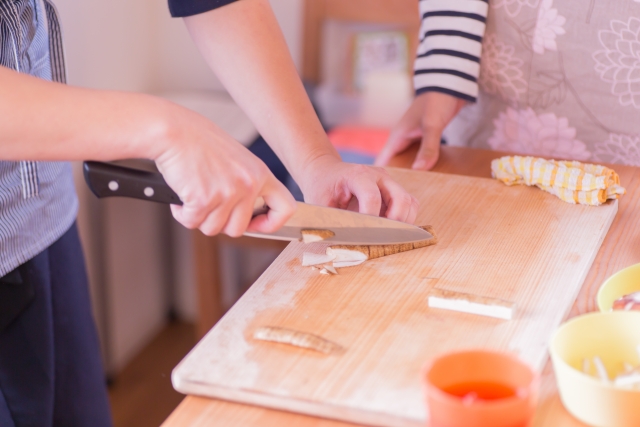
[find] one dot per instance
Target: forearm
(217, 179)
(41, 120)
(244, 46)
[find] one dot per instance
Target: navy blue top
(182, 8)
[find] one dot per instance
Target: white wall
(290, 17)
(134, 45)
(108, 42)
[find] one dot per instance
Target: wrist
(159, 130)
(313, 169)
(301, 151)
(318, 161)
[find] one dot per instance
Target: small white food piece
(309, 259)
(311, 236)
(629, 379)
(327, 269)
(468, 303)
(601, 370)
(297, 339)
(330, 269)
(346, 257)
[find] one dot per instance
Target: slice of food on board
(311, 236)
(309, 259)
(469, 303)
(350, 255)
(297, 339)
(346, 256)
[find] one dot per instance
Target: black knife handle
(109, 180)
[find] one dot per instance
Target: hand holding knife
(109, 180)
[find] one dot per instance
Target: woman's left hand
(329, 181)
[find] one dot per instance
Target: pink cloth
(363, 140)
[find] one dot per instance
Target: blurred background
(157, 287)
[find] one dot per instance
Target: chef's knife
(352, 228)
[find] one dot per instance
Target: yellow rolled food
(571, 181)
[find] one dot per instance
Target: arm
(41, 120)
(446, 74)
(243, 45)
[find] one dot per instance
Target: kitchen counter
(620, 249)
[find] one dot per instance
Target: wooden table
(620, 249)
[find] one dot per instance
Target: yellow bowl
(620, 284)
(613, 337)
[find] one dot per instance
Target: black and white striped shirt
(448, 57)
(37, 199)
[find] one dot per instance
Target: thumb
(429, 151)
(281, 205)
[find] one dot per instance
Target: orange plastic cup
(480, 388)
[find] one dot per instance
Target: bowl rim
(607, 283)
(556, 358)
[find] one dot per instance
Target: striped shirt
(448, 57)
(37, 199)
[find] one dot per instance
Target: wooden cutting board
(514, 243)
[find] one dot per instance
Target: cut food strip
(296, 338)
(309, 258)
(310, 236)
(469, 303)
(350, 255)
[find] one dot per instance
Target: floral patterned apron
(558, 78)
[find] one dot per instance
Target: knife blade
(352, 228)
